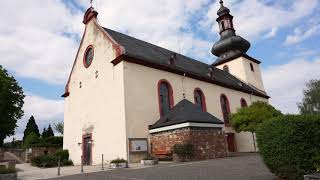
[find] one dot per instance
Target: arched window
(251, 67)
(225, 108)
(226, 68)
(199, 99)
(243, 103)
(165, 94)
(222, 25)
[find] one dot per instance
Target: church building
(126, 98)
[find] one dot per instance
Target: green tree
(248, 119)
(50, 131)
(59, 127)
(31, 127)
(311, 101)
(47, 132)
(31, 138)
(44, 133)
(11, 102)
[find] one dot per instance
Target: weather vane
(90, 3)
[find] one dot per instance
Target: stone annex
(126, 98)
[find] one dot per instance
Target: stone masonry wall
(209, 143)
(1, 154)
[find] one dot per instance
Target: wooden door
(87, 150)
(231, 142)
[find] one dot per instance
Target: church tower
(231, 52)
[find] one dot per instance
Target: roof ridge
(158, 46)
(155, 56)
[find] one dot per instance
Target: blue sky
(41, 38)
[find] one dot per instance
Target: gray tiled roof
(150, 53)
(185, 111)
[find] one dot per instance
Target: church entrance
(87, 149)
(231, 142)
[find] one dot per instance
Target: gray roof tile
(185, 111)
(151, 53)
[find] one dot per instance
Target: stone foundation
(1, 154)
(209, 143)
(39, 151)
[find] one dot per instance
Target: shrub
(118, 160)
(148, 157)
(49, 161)
(30, 140)
(63, 154)
(52, 160)
(184, 151)
(289, 145)
(53, 141)
(44, 161)
(67, 162)
(5, 170)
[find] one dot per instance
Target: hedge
(52, 160)
(5, 170)
(290, 145)
(53, 141)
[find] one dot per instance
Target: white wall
(240, 67)
(141, 100)
(97, 107)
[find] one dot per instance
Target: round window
(88, 56)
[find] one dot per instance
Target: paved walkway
(28, 172)
(248, 167)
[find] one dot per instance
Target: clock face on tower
(88, 56)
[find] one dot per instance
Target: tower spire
(89, 14)
(221, 2)
(230, 45)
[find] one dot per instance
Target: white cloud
(285, 83)
(302, 33)
(45, 112)
(165, 23)
(37, 42)
(38, 39)
(272, 33)
(255, 18)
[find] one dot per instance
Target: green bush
(30, 140)
(53, 141)
(118, 160)
(184, 151)
(148, 157)
(5, 170)
(63, 154)
(66, 162)
(289, 145)
(52, 160)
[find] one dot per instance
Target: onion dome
(223, 9)
(230, 45)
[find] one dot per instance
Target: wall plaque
(138, 145)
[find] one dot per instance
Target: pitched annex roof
(185, 111)
(151, 55)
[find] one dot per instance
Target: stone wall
(1, 154)
(39, 151)
(209, 143)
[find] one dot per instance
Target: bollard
(81, 164)
(58, 166)
(102, 164)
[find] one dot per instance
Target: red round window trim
(171, 101)
(243, 103)
(84, 56)
(228, 108)
(204, 106)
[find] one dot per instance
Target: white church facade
(121, 90)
